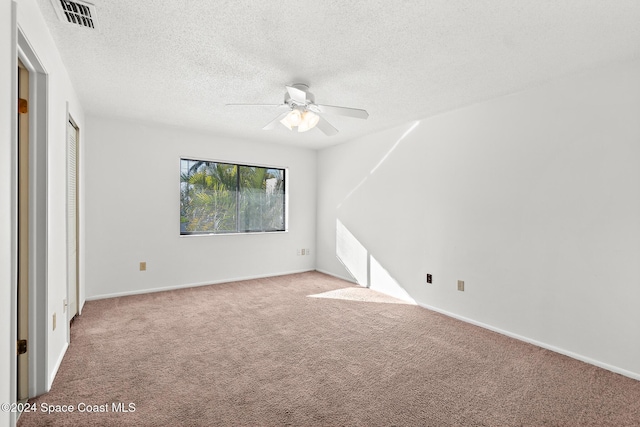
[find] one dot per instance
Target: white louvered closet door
(72, 219)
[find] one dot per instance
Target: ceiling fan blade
(326, 127)
(343, 111)
(313, 107)
(273, 123)
(299, 96)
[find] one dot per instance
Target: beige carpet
(265, 353)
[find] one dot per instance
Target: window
(217, 198)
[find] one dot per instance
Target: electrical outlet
(143, 266)
(429, 278)
(298, 251)
(308, 251)
(54, 321)
(461, 285)
(304, 251)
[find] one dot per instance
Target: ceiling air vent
(80, 13)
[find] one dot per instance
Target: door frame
(38, 155)
(24, 226)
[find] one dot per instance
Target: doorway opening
(22, 333)
(30, 188)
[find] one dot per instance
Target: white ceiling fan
(303, 113)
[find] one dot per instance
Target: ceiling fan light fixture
(292, 119)
(309, 121)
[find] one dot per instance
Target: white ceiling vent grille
(80, 13)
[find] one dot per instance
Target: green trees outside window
(220, 198)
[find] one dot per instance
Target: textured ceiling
(180, 61)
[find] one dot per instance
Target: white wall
(531, 199)
(7, 255)
(132, 211)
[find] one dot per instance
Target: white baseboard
(54, 372)
(617, 370)
(192, 285)
(328, 273)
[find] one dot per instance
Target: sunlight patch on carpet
(360, 294)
